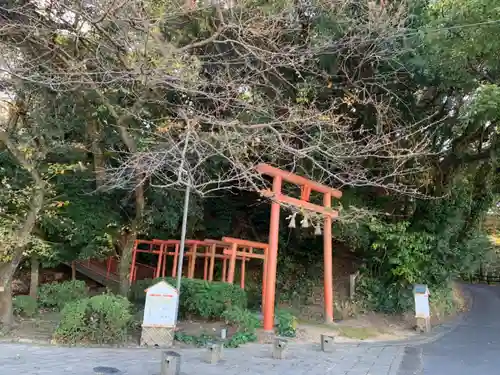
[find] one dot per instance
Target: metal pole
(187, 192)
(183, 237)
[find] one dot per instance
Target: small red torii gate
(306, 186)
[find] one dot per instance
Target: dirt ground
(364, 327)
(41, 328)
(38, 329)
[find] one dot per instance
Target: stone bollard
(280, 348)
(327, 343)
(101, 370)
(214, 352)
(170, 363)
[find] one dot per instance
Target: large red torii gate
(306, 186)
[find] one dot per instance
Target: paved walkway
(16, 359)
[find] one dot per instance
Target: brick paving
(19, 359)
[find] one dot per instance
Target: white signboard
(421, 294)
(161, 305)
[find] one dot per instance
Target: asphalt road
(473, 347)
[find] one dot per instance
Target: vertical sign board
(161, 305)
(421, 294)
(422, 309)
(160, 315)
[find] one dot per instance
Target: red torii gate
(307, 186)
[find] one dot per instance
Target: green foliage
(101, 319)
(199, 341)
(287, 323)
(246, 323)
(25, 306)
(209, 300)
(240, 338)
(198, 297)
(295, 278)
(459, 34)
(243, 319)
(407, 254)
(442, 241)
(377, 294)
(56, 295)
(137, 292)
(430, 69)
(442, 301)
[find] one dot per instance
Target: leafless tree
(200, 93)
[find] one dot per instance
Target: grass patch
(358, 333)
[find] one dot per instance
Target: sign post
(160, 315)
(422, 308)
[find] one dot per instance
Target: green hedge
(57, 295)
(101, 319)
(198, 297)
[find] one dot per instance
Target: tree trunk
(6, 315)
(94, 134)
(35, 273)
(126, 245)
(140, 202)
(21, 237)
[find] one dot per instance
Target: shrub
(346, 308)
(56, 295)
(199, 341)
(254, 295)
(100, 319)
(137, 292)
(25, 306)
(198, 297)
(210, 300)
(445, 301)
(287, 323)
(243, 319)
(246, 323)
(374, 295)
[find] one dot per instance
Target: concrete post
(170, 363)
(214, 352)
(327, 343)
(280, 348)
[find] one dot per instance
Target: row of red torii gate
(229, 251)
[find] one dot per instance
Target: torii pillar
(278, 197)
